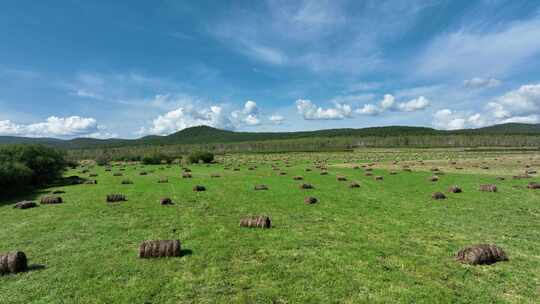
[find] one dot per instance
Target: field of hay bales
(383, 240)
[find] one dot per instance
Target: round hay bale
(306, 186)
(324, 172)
(454, 189)
(308, 169)
(159, 249)
(166, 201)
(13, 262)
(298, 178)
(341, 178)
(500, 178)
(533, 185)
(434, 178)
(369, 169)
(186, 175)
(481, 254)
(282, 173)
(379, 178)
(215, 175)
(25, 205)
(199, 188)
(163, 180)
(310, 200)
(114, 198)
(368, 174)
(354, 185)
(186, 170)
(393, 172)
(236, 169)
(261, 187)
(488, 188)
(438, 196)
(143, 173)
(49, 199)
(126, 182)
(118, 174)
(258, 221)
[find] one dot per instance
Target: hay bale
(454, 189)
(118, 174)
(166, 201)
(49, 199)
(159, 249)
(500, 178)
(488, 188)
(186, 175)
(533, 185)
(90, 182)
(354, 185)
(438, 196)
(282, 173)
(341, 178)
(163, 180)
(379, 178)
(308, 169)
(126, 182)
(259, 221)
(199, 188)
(481, 254)
(310, 200)
(25, 205)
(306, 186)
(261, 187)
(324, 172)
(143, 173)
(434, 178)
(298, 178)
(13, 262)
(215, 175)
(393, 172)
(368, 174)
(114, 198)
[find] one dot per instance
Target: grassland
(384, 242)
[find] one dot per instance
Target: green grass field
(384, 242)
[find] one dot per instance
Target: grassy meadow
(387, 241)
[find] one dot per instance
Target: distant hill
(206, 135)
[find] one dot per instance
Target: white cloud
(388, 101)
(521, 106)
(369, 109)
(495, 49)
(189, 116)
(276, 119)
(477, 83)
(416, 104)
(63, 127)
(311, 112)
(447, 119)
(389, 104)
(249, 115)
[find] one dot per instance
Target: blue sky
(132, 68)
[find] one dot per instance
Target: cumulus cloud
(310, 111)
(478, 83)
(389, 104)
(189, 116)
(521, 105)
(63, 127)
(447, 119)
(276, 119)
(249, 115)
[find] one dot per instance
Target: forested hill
(205, 135)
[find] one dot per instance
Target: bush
(151, 160)
(29, 165)
(205, 157)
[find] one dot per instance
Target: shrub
(22, 166)
(205, 157)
